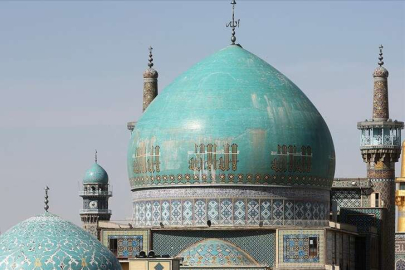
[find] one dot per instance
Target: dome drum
(228, 206)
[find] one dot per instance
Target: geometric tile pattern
(204, 179)
(296, 248)
(141, 235)
(215, 252)
(48, 242)
(301, 247)
(230, 212)
(260, 245)
(347, 198)
(128, 246)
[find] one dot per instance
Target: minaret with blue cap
(95, 194)
(380, 146)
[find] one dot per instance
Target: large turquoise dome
(231, 119)
(95, 175)
(48, 242)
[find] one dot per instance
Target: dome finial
(233, 24)
(95, 156)
(381, 62)
(46, 207)
(150, 64)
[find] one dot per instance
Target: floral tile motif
(230, 211)
(296, 248)
(47, 242)
(216, 252)
(128, 246)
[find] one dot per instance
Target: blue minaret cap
(96, 174)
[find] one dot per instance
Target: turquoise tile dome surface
(95, 175)
(231, 119)
(216, 253)
(48, 242)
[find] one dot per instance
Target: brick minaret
(381, 147)
(150, 82)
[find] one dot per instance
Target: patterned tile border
(230, 212)
(230, 179)
(284, 235)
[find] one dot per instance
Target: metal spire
(46, 207)
(233, 24)
(95, 156)
(381, 62)
(150, 64)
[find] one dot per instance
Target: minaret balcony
(95, 211)
(95, 193)
(386, 141)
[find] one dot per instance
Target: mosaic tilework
(233, 192)
(253, 212)
(347, 198)
(231, 212)
(48, 242)
(226, 211)
(156, 213)
(265, 211)
(213, 211)
(128, 246)
(230, 179)
(142, 236)
(239, 212)
(200, 213)
(148, 213)
(260, 245)
(216, 252)
(176, 212)
(380, 98)
(294, 248)
(399, 251)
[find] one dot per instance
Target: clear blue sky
(71, 78)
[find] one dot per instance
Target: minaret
(150, 87)
(150, 82)
(400, 195)
(380, 147)
(95, 194)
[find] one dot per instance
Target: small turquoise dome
(95, 175)
(48, 242)
(231, 119)
(216, 253)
